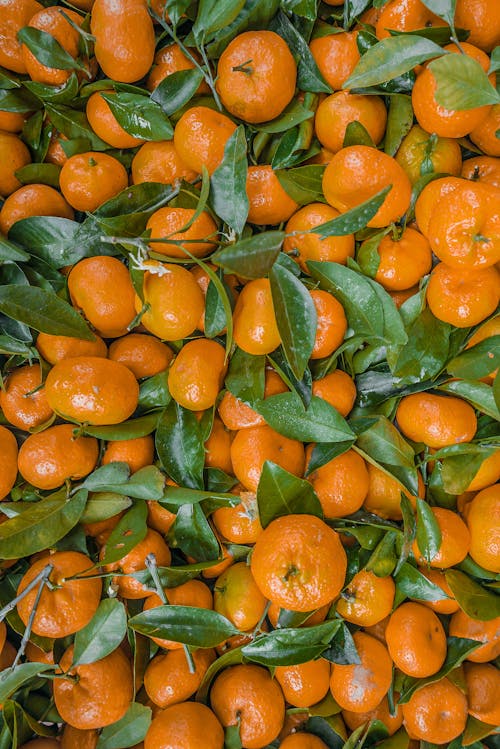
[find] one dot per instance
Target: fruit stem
(257, 631)
(243, 68)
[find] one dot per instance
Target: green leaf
(128, 731)
(103, 505)
(41, 525)
(445, 9)
(180, 495)
(477, 394)
(180, 447)
(428, 531)
(390, 58)
(476, 600)
(74, 124)
(10, 252)
(174, 91)
(47, 49)
(192, 533)
(383, 444)
(245, 378)
(102, 634)
(426, 352)
(146, 483)
(252, 257)
(280, 493)
(287, 647)
(496, 393)
(460, 466)
(46, 174)
(214, 15)
(140, 116)
(303, 183)
(43, 311)
(309, 77)
(457, 652)
(355, 219)
(228, 183)
(127, 430)
(11, 680)
(324, 452)
(50, 238)
(399, 122)
(171, 577)
(154, 392)
(478, 361)
(296, 317)
(461, 83)
(129, 531)
(414, 585)
(200, 628)
(320, 422)
(356, 294)
(293, 115)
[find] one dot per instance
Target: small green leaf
(128, 731)
(102, 634)
(287, 647)
(200, 628)
(320, 422)
(356, 134)
(154, 392)
(252, 257)
(74, 125)
(476, 600)
(127, 430)
(296, 317)
(280, 493)
(478, 361)
(428, 531)
(228, 183)
(399, 122)
(129, 531)
(355, 219)
(245, 378)
(103, 505)
(180, 447)
(43, 311)
(192, 533)
(478, 394)
(383, 444)
(461, 83)
(47, 49)
(390, 58)
(213, 16)
(417, 586)
(46, 174)
(445, 9)
(309, 77)
(174, 91)
(139, 116)
(303, 183)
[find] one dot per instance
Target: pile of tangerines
(249, 332)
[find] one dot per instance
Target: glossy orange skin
(419, 146)
(41, 744)
(175, 299)
(485, 169)
(13, 155)
(336, 56)
(76, 738)
(455, 540)
(462, 299)
(197, 373)
(33, 200)
(92, 390)
(357, 173)
(169, 222)
(436, 420)
(482, 19)
(483, 683)
(200, 137)
(160, 162)
(238, 598)
(299, 563)
(311, 246)
(429, 197)
(462, 625)
(240, 524)
(105, 125)
(483, 516)
(192, 593)
(405, 15)
(269, 202)
(381, 712)
(484, 134)
(70, 606)
(360, 688)
(384, 494)
(435, 118)
(416, 640)
(464, 228)
(90, 179)
(137, 453)
(102, 694)
(306, 684)
(23, 400)
(248, 692)
(337, 111)
(14, 14)
(128, 586)
(143, 354)
(489, 470)
(436, 713)
(251, 447)
(185, 726)
(101, 287)
(338, 389)
(8, 461)
(367, 600)
(54, 23)
(218, 447)
(167, 679)
(266, 85)
(238, 415)
(403, 262)
(48, 458)
(125, 40)
(54, 348)
(255, 328)
(12, 122)
(331, 324)
(441, 606)
(302, 740)
(341, 484)
(171, 59)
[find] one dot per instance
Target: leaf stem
(42, 576)
(27, 632)
(153, 571)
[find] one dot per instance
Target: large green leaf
(280, 493)
(102, 634)
(228, 183)
(461, 83)
(200, 628)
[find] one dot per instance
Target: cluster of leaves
(391, 352)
